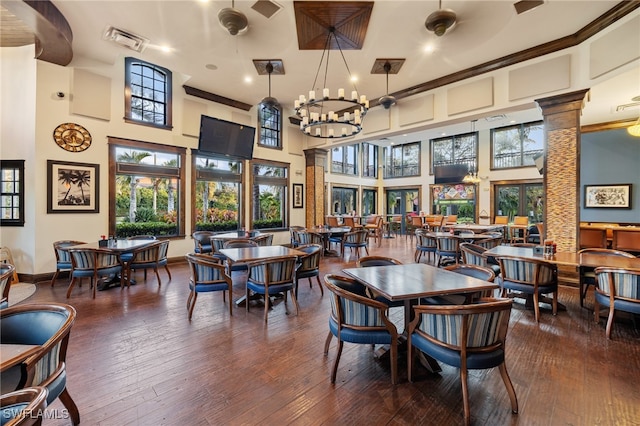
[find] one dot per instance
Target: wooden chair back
(593, 238)
(6, 274)
(332, 221)
(501, 220)
(521, 220)
(24, 407)
(626, 239)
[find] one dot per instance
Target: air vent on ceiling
(266, 8)
(627, 106)
(495, 117)
(126, 39)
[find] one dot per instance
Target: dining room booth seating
(425, 245)
(309, 265)
(587, 274)
(6, 275)
(626, 239)
(94, 264)
(207, 275)
(593, 238)
(356, 318)
(202, 241)
(63, 258)
(529, 277)
(619, 290)
(269, 277)
(49, 326)
(24, 407)
(468, 337)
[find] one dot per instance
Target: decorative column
(315, 161)
(561, 115)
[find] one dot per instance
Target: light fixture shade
(387, 101)
(270, 101)
(440, 21)
(634, 130)
(233, 20)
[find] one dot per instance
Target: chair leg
(334, 371)
(191, 293)
(295, 302)
(555, 303)
(536, 306)
(393, 359)
(327, 342)
(610, 321)
(166, 268)
(266, 306)
(68, 403)
(55, 276)
(510, 390)
(155, 269)
(193, 304)
(596, 311)
(465, 395)
(410, 355)
(320, 285)
(71, 285)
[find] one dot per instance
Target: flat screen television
(450, 173)
(226, 138)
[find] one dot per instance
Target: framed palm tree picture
(72, 187)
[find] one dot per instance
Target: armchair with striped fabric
(619, 290)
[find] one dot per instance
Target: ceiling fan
(440, 20)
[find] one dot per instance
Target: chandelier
(326, 116)
(471, 177)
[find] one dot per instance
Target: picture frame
(613, 196)
(72, 187)
(298, 195)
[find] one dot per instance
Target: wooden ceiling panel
(349, 20)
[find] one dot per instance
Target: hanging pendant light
(387, 101)
(233, 20)
(270, 100)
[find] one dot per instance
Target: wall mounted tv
(450, 173)
(226, 138)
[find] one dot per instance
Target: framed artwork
(617, 196)
(298, 190)
(72, 187)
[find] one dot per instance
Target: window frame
(520, 127)
(19, 166)
(472, 165)
(114, 143)
(344, 157)
(263, 130)
(283, 182)
(367, 163)
(130, 62)
(403, 165)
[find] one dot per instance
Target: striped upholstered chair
(24, 407)
(425, 244)
(94, 264)
(272, 276)
(529, 277)
(449, 247)
(47, 325)
(144, 258)
(619, 290)
(470, 337)
(207, 275)
(6, 274)
(355, 318)
(473, 254)
(309, 265)
(63, 258)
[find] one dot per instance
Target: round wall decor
(72, 137)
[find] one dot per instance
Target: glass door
(524, 199)
(399, 203)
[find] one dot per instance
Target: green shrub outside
(129, 229)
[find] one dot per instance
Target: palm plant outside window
(458, 149)
(270, 195)
(217, 193)
(148, 189)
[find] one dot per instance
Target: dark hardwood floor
(135, 359)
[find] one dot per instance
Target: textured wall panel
(413, 111)
(469, 97)
(562, 187)
(543, 77)
(603, 58)
(91, 95)
(191, 112)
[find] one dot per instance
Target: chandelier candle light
(331, 117)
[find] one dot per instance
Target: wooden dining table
(13, 354)
(413, 281)
(326, 233)
(589, 259)
(476, 228)
(250, 254)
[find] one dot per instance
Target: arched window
(147, 94)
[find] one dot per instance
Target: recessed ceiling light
(248, 79)
(166, 49)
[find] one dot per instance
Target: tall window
(216, 193)
(516, 146)
(270, 129)
(369, 201)
(369, 160)
(269, 198)
(12, 193)
(402, 160)
(344, 160)
(146, 189)
(147, 94)
(459, 149)
(520, 199)
(343, 200)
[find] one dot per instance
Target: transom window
(369, 160)
(147, 94)
(344, 160)
(270, 129)
(12, 193)
(146, 189)
(217, 184)
(269, 198)
(402, 160)
(516, 146)
(459, 149)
